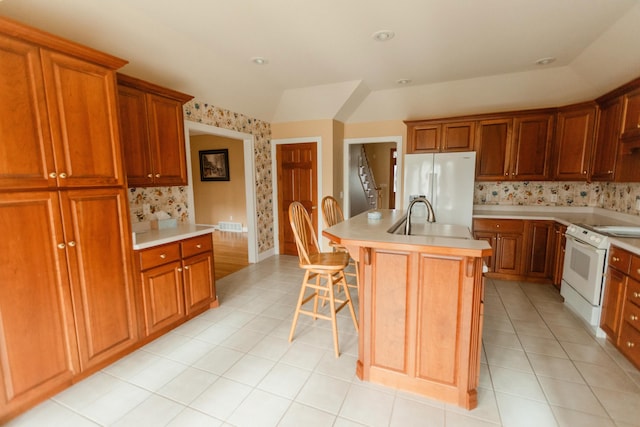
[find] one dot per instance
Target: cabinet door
(605, 150)
(493, 142)
(508, 257)
(162, 296)
(631, 114)
(561, 241)
(574, 137)
(540, 249)
(424, 138)
(135, 136)
(37, 342)
(199, 288)
(531, 152)
(458, 136)
(99, 250)
(26, 155)
(81, 98)
(166, 136)
(614, 294)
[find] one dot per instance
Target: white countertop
(566, 216)
(147, 238)
(361, 229)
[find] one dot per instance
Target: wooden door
(531, 153)
(508, 257)
(631, 114)
(605, 150)
(424, 138)
(134, 130)
(614, 294)
(493, 142)
(574, 139)
(162, 296)
(82, 103)
(26, 154)
(37, 341)
(540, 249)
(458, 136)
(166, 136)
(297, 181)
(99, 249)
(198, 281)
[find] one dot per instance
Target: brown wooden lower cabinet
(66, 294)
(621, 305)
(176, 282)
(560, 243)
(522, 249)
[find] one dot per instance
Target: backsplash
(619, 197)
(172, 200)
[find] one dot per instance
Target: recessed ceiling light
(383, 35)
(403, 81)
(545, 61)
(259, 60)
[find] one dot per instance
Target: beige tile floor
(233, 366)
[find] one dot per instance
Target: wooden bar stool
(332, 215)
(323, 272)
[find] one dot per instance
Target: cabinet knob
(633, 317)
(636, 294)
(163, 256)
(615, 259)
(53, 175)
(638, 125)
(157, 175)
(61, 246)
(609, 171)
(631, 344)
(180, 269)
(63, 175)
(186, 267)
(506, 174)
(150, 175)
(198, 246)
(584, 172)
(72, 243)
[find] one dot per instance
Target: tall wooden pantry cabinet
(66, 288)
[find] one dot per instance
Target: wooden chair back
(331, 211)
(303, 232)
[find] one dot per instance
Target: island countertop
(439, 237)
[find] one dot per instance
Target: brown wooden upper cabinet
(631, 114)
(152, 127)
(573, 142)
(434, 137)
(514, 148)
(605, 147)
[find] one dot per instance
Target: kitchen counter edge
(150, 238)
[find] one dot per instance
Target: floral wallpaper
(173, 200)
(619, 197)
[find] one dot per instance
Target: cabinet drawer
(159, 255)
(619, 259)
(632, 315)
(196, 245)
(633, 292)
(629, 343)
(499, 225)
(634, 267)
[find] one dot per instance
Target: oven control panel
(588, 236)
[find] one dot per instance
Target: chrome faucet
(431, 216)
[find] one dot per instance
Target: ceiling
(462, 56)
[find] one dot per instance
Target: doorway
(391, 188)
(303, 160)
(247, 141)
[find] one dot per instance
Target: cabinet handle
(163, 256)
(636, 294)
(506, 174)
(150, 175)
(72, 243)
(186, 267)
(631, 344)
(633, 317)
(157, 175)
(63, 175)
(180, 269)
(609, 171)
(61, 246)
(198, 246)
(615, 259)
(638, 125)
(53, 175)
(584, 172)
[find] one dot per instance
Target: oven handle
(583, 244)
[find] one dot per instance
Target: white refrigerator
(446, 180)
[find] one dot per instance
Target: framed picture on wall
(214, 165)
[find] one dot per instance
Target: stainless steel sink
(430, 229)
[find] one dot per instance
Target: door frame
(345, 166)
(274, 179)
(196, 128)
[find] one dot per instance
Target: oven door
(584, 269)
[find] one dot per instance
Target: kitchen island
(420, 305)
